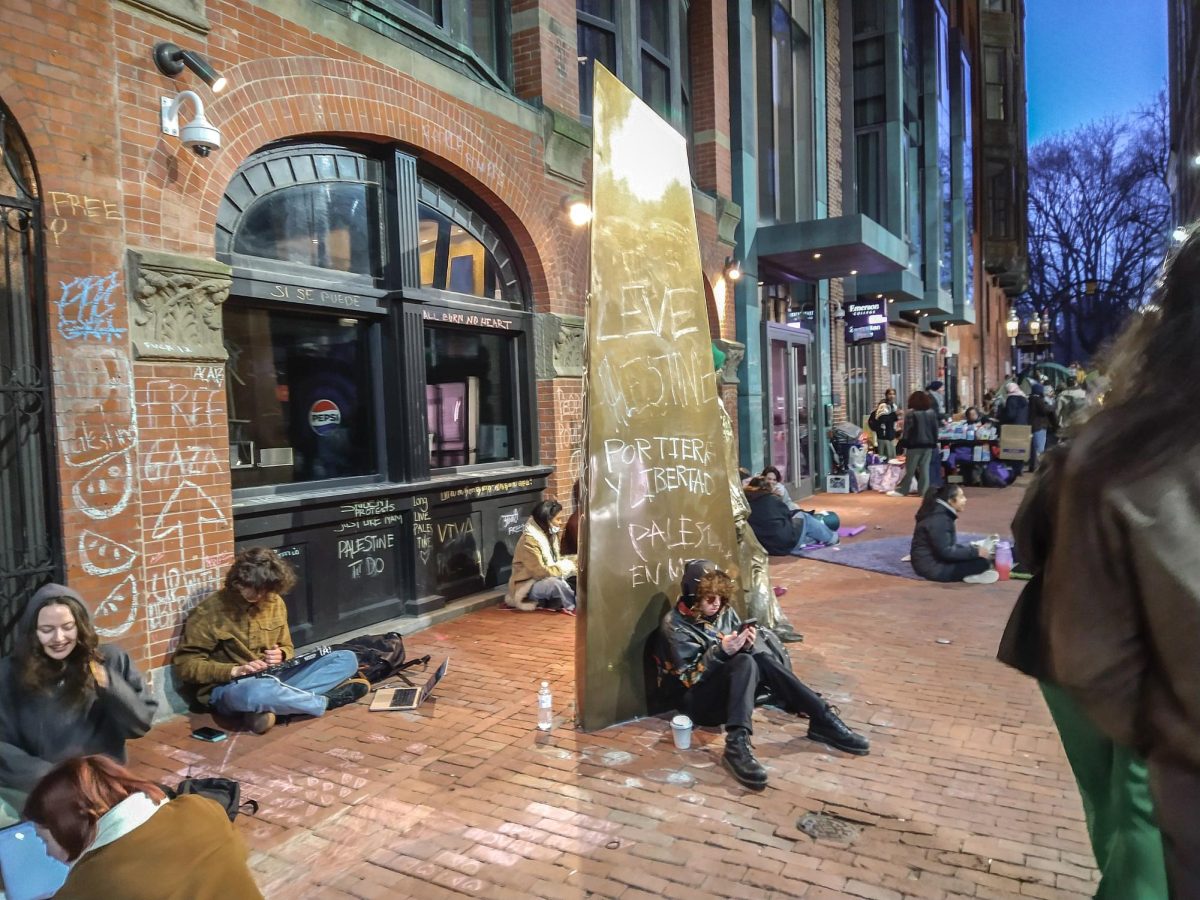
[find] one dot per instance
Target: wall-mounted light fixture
(733, 269)
(199, 135)
(171, 59)
(577, 210)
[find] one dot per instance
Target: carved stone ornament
(558, 343)
(175, 306)
(734, 352)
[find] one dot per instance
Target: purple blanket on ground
(882, 555)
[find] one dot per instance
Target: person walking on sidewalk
(920, 441)
(62, 694)
(1124, 571)
(1113, 782)
(233, 637)
(722, 664)
(936, 553)
(1041, 422)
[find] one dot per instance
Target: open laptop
(402, 698)
(30, 873)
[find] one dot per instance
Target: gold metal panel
(657, 485)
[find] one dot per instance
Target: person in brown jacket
(1124, 571)
(124, 839)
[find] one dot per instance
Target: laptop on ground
(30, 873)
(402, 698)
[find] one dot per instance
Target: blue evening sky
(1091, 58)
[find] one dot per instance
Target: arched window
(316, 208)
(460, 252)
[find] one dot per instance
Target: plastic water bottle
(1004, 560)
(545, 707)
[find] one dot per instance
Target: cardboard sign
(1015, 442)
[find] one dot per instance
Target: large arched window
(460, 252)
(378, 325)
(316, 208)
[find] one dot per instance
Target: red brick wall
(143, 447)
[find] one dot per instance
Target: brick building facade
(143, 259)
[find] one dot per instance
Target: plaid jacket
(224, 632)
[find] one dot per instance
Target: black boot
(739, 759)
(831, 730)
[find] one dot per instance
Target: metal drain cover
(826, 827)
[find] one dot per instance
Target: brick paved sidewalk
(966, 792)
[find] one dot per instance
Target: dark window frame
(631, 49)
(383, 303)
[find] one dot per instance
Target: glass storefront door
(791, 397)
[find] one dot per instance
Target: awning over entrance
(830, 248)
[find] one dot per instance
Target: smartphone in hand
(746, 624)
(211, 735)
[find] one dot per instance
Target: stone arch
(319, 98)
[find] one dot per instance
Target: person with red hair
(124, 838)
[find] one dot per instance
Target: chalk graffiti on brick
(86, 310)
(188, 509)
(117, 612)
(174, 593)
(99, 555)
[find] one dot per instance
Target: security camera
(199, 135)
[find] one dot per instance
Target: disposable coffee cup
(681, 730)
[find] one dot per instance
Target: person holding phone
(62, 694)
(242, 630)
(722, 664)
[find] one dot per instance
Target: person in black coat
(920, 441)
(1015, 412)
(780, 530)
(1041, 422)
(936, 553)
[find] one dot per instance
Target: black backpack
(225, 791)
(380, 656)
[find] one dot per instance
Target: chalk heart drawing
(116, 613)
(86, 310)
(99, 555)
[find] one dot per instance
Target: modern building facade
(884, 236)
(1183, 38)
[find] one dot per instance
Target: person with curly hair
(236, 634)
(63, 694)
(723, 663)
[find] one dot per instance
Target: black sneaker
(348, 691)
(832, 730)
(739, 760)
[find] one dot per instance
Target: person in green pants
(1113, 780)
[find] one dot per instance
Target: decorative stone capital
(558, 346)
(734, 352)
(729, 215)
(175, 306)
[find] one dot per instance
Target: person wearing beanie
(722, 665)
(1015, 412)
(63, 694)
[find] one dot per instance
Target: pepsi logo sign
(324, 416)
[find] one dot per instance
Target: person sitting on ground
(62, 694)
(540, 572)
(233, 637)
(774, 480)
(123, 838)
(780, 530)
(936, 553)
(722, 667)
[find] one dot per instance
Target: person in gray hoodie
(63, 694)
